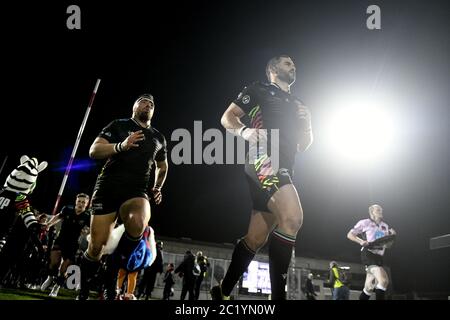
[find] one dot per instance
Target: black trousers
(148, 282)
(188, 286)
(198, 284)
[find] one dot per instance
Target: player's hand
(303, 112)
(157, 195)
(304, 115)
(132, 140)
(364, 243)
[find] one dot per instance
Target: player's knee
(384, 282)
(255, 242)
(95, 253)
(369, 289)
(135, 225)
(95, 249)
(291, 224)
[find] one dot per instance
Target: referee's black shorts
(371, 259)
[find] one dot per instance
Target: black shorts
(68, 248)
(263, 187)
(108, 200)
(371, 259)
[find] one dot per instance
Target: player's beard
(144, 116)
(287, 76)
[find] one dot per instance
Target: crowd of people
(64, 239)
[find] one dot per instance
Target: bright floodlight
(360, 132)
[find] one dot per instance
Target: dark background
(195, 57)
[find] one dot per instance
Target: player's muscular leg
(101, 227)
(380, 276)
(135, 214)
(261, 225)
(370, 283)
(285, 205)
(55, 259)
(66, 263)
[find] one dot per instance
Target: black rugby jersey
(7, 209)
(133, 167)
(268, 107)
(73, 223)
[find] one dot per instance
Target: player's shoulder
(259, 85)
(122, 121)
(87, 213)
(255, 89)
(256, 85)
(67, 209)
(118, 123)
(365, 221)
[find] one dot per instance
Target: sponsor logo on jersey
(246, 99)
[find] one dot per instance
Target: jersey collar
(275, 85)
(138, 124)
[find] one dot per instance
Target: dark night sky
(195, 57)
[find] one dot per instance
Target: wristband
(241, 130)
(118, 147)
